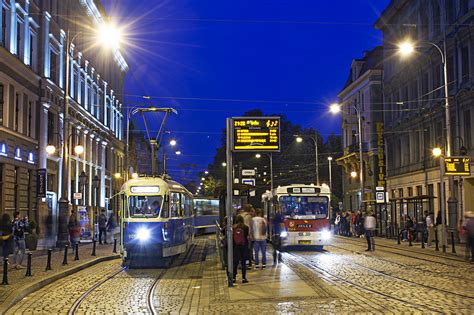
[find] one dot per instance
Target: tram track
(440, 273)
(308, 263)
(414, 252)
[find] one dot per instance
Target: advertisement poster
(84, 223)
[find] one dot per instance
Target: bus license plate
(304, 242)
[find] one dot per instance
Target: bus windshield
(145, 206)
(304, 206)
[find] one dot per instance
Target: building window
(30, 119)
(465, 63)
(51, 120)
(53, 66)
(419, 190)
(450, 69)
(33, 47)
(4, 27)
(2, 102)
(410, 191)
(467, 129)
(26, 110)
(19, 31)
(16, 113)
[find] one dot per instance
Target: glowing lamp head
(109, 36)
(173, 142)
(299, 139)
(206, 172)
(335, 108)
(353, 174)
(406, 48)
(50, 149)
(117, 175)
(178, 152)
(78, 149)
(224, 164)
(437, 152)
(329, 158)
(143, 234)
(135, 175)
(258, 155)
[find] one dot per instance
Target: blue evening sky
(283, 56)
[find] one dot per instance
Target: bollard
(398, 239)
(422, 239)
(65, 255)
(28, 265)
(48, 264)
(93, 247)
(410, 237)
(452, 243)
(5, 271)
(76, 255)
(436, 241)
(115, 246)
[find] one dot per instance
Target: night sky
(216, 59)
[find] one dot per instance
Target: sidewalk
(415, 248)
(19, 285)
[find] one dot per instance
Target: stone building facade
(34, 37)
(362, 92)
(413, 89)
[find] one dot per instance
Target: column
(13, 30)
(46, 56)
(61, 58)
(26, 35)
(71, 71)
(86, 85)
(84, 168)
(97, 108)
(106, 120)
(60, 163)
(91, 170)
(92, 104)
(42, 164)
(102, 174)
(79, 74)
(112, 111)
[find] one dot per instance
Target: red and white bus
(304, 211)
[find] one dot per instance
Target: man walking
(258, 234)
(19, 226)
(102, 227)
(430, 227)
(369, 227)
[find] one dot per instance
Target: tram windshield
(304, 206)
(145, 206)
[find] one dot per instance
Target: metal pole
(164, 159)
(230, 167)
(330, 174)
(443, 204)
(127, 167)
(63, 201)
(361, 161)
(316, 157)
(271, 172)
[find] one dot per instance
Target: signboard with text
(41, 183)
(256, 134)
(457, 165)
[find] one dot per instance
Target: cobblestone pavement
(341, 279)
(18, 281)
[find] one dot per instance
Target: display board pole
(230, 251)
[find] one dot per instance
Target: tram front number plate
(304, 242)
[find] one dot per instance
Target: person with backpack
(258, 234)
(240, 235)
(102, 226)
(19, 227)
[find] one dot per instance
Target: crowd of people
(12, 233)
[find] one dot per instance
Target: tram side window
(182, 205)
(165, 210)
(174, 205)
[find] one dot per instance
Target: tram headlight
(326, 235)
(284, 234)
(143, 234)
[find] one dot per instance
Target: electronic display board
(457, 165)
(256, 134)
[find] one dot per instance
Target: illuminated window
(3, 149)
(31, 158)
(18, 154)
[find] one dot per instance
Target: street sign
(250, 172)
(379, 188)
(248, 181)
(379, 197)
(77, 196)
(41, 183)
(256, 134)
(457, 165)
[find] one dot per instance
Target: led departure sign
(457, 165)
(256, 134)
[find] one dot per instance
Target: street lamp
(299, 139)
(96, 185)
(50, 149)
(407, 48)
(224, 164)
(330, 172)
(270, 156)
(335, 109)
(353, 174)
(438, 153)
(173, 143)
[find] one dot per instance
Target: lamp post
(335, 109)
(270, 156)
(407, 48)
(299, 139)
(437, 152)
(330, 172)
(95, 184)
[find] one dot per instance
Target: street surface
(343, 278)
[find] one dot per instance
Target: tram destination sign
(457, 165)
(256, 134)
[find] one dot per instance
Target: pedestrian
(277, 233)
(19, 226)
(247, 212)
(112, 226)
(240, 235)
(337, 223)
(6, 235)
(369, 227)
(102, 226)
(258, 234)
(410, 226)
(353, 223)
(469, 228)
(74, 230)
(430, 227)
(359, 223)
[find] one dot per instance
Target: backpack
(18, 229)
(239, 236)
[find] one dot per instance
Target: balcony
(354, 148)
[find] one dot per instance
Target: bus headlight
(326, 235)
(143, 234)
(284, 234)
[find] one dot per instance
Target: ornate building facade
(34, 43)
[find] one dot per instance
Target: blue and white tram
(156, 220)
